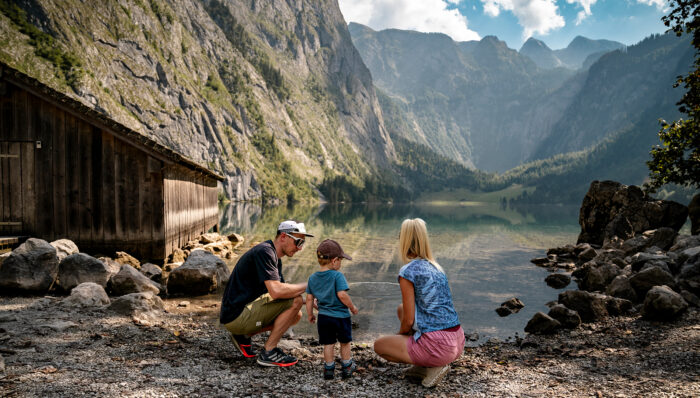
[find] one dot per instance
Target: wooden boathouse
(68, 171)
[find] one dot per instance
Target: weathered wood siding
(63, 177)
(190, 206)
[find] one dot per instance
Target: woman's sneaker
(347, 370)
(434, 375)
(276, 357)
(244, 345)
(328, 372)
(416, 372)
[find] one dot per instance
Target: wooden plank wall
(88, 185)
(191, 207)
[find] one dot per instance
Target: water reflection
(484, 248)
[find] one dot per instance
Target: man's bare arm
(280, 290)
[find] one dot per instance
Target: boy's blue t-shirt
(325, 285)
(434, 307)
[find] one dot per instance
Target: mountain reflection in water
(484, 248)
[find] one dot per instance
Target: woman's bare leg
(394, 348)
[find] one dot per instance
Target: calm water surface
(485, 250)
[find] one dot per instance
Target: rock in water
(542, 323)
(30, 268)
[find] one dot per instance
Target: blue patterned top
(434, 308)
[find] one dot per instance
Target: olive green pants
(258, 314)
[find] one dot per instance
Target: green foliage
(677, 160)
(161, 12)
(214, 83)
(340, 188)
(45, 46)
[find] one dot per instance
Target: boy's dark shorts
(331, 329)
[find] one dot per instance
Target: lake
(484, 248)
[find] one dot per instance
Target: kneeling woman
(430, 336)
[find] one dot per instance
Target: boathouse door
(17, 190)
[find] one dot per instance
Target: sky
(555, 22)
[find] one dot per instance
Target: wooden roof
(98, 119)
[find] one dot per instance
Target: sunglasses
(299, 242)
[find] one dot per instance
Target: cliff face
(271, 94)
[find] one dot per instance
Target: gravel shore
(51, 350)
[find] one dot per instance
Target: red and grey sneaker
(276, 357)
(243, 344)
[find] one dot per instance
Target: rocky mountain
(540, 53)
(580, 53)
(271, 94)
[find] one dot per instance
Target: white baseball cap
(291, 226)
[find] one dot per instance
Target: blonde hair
(414, 243)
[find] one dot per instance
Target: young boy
(329, 287)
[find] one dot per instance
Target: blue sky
(556, 22)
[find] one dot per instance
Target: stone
(635, 244)
(201, 274)
(64, 248)
(111, 264)
(152, 271)
(503, 311)
(568, 319)
(689, 276)
(87, 294)
(588, 254)
(612, 209)
(654, 276)
(211, 237)
(694, 214)
(690, 298)
(683, 242)
(235, 238)
(599, 277)
(541, 261)
(80, 267)
(129, 280)
(591, 307)
(30, 268)
(621, 287)
(617, 306)
(662, 238)
(639, 259)
(177, 256)
(131, 304)
(58, 325)
(558, 281)
(514, 304)
(542, 323)
(662, 303)
(126, 258)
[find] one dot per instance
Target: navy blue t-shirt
(247, 281)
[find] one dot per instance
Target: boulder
(152, 272)
(591, 307)
(569, 319)
(111, 265)
(202, 273)
(640, 259)
(558, 281)
(511, 306)
(588, 254)
(662, 238)
(64, 248)
(177, 256)
(129, 280)
(542, 323)
(126, 258)
(617, 306)
(30, 268)
(694, 214)
(683, 242)
(599, 277)
(235, 239)
(131, 304)
(690, 298)
(646, 279)
(612, 209)
(79, 268)
(662, 303)
(689, 277)
(615, 256)
(87, 294)
(621, 287)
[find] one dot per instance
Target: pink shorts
(437, 348)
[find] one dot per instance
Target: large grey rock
(640, 259)
(202, 273)
(599, 277)
(129, 280)
(662, 303)
(646, 279)
(558, 281)
(689, 277)
(591, 307)
(542, 323)
(612, 209)
(569, 319)
(152, 272)
(88, 294)
(683, 242)
(64, 248)
(145, 303)
(622, 288)
(111, 265)
(80, 267)
(30, 268)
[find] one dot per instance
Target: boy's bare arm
(344, 298)
(310, 307)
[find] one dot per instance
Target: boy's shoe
(328, 372)
(435, 375)
(347, 370)
(243, 344)
(417, 372)
(276, 357)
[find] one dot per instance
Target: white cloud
(535, 16)
(586, 5)
(660, 4)
(419, 15)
